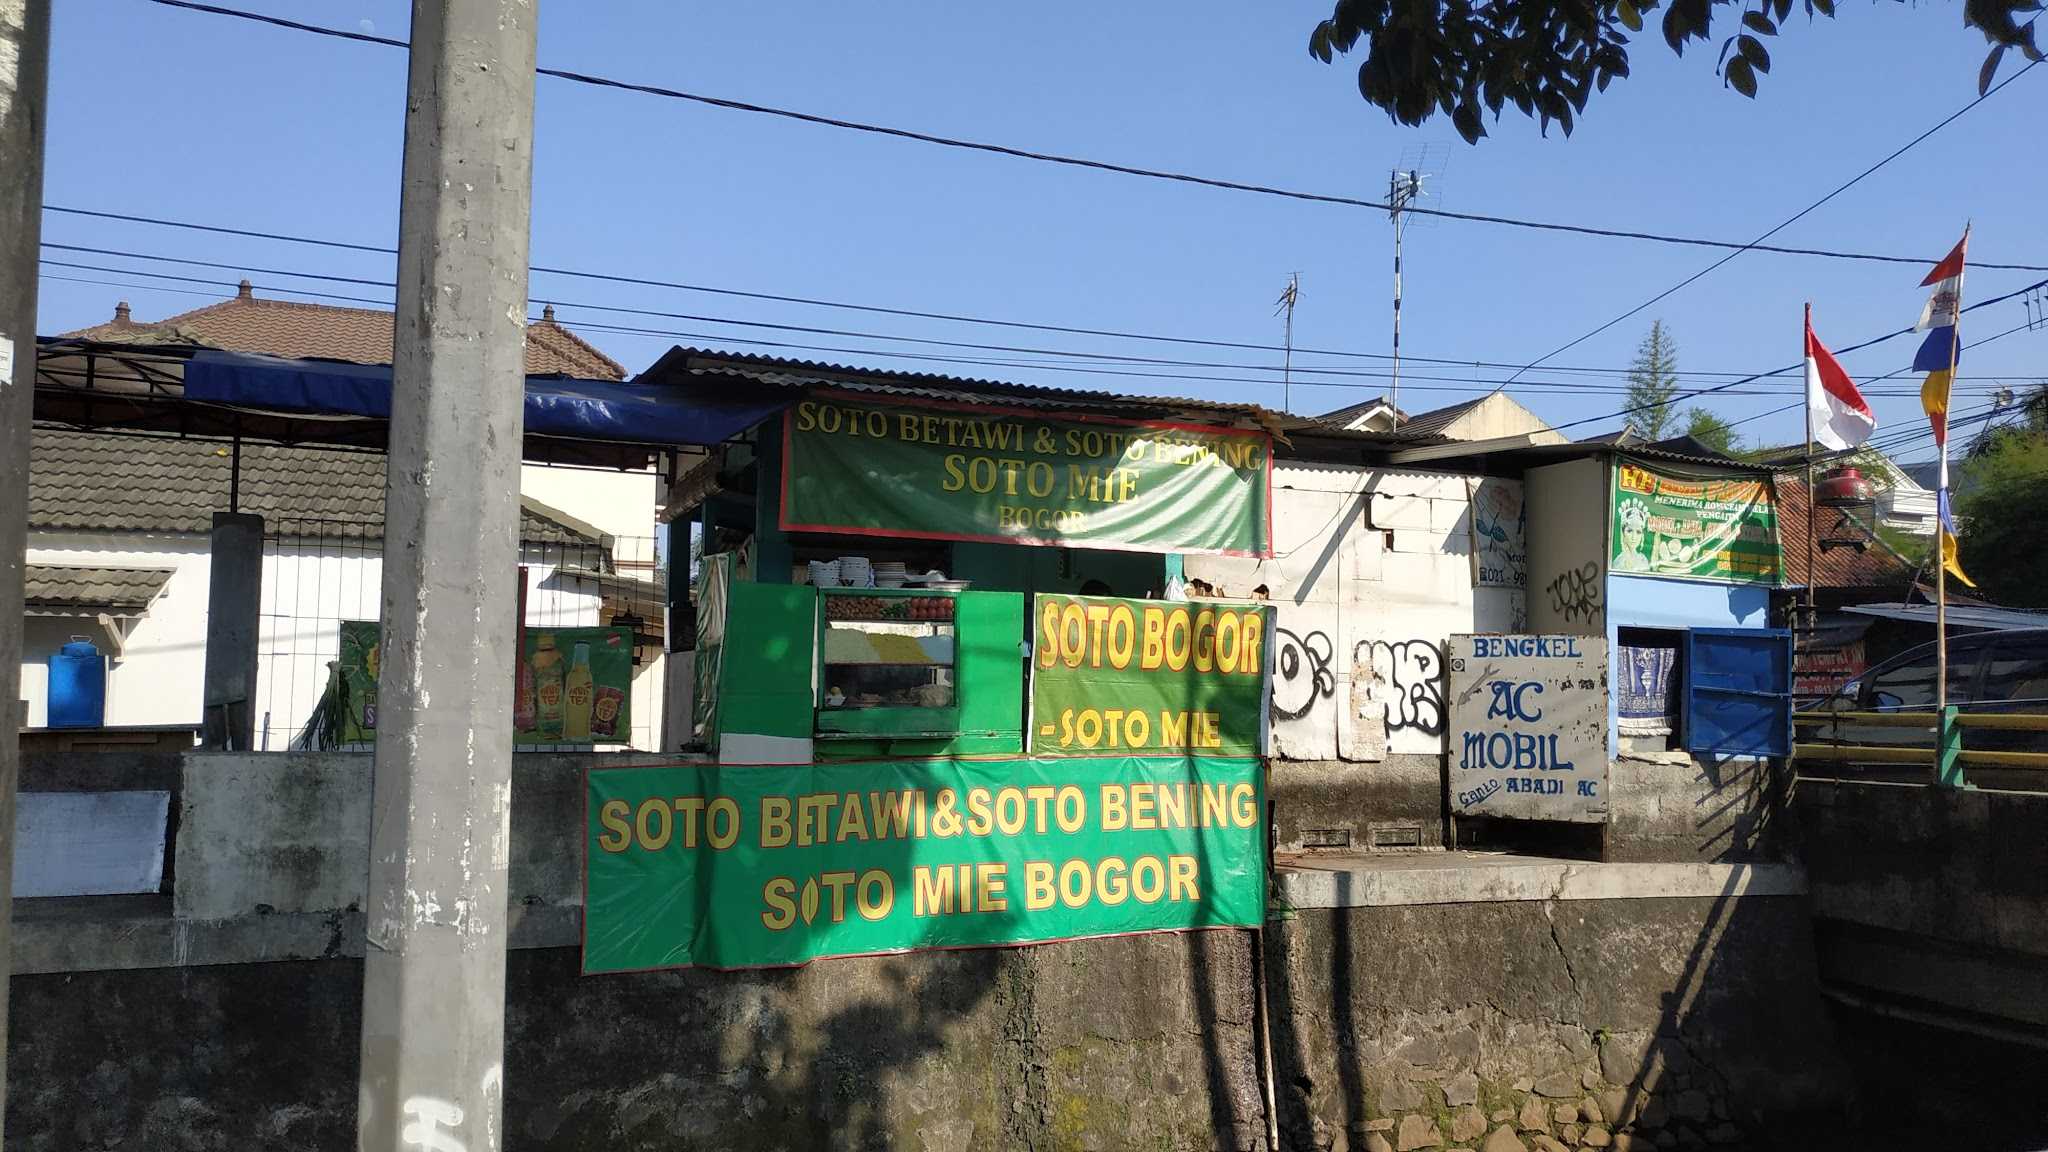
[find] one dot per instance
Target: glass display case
(887, 663)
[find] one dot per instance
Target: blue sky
(173, 114)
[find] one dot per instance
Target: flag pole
(1805, 357)
(1955, 338)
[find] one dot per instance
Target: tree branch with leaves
(1467, 59)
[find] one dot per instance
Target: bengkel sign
(1528, 727)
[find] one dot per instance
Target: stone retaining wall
(1641, 1023)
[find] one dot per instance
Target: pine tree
(1653, 384)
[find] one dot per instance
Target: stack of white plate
(825, 573)
(890, 574)
(856, 572)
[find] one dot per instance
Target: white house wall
(1372, 572)
(159, 676)
(310, 588)
(619, 504)
(1567, 511)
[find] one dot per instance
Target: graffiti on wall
(1302, 675)
(1499, 520)
(1575, 594)
(1408, 676)
(1395, 696)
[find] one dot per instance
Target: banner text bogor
(750, 866)
(1148, 676)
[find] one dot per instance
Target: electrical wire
(1450, 384)
(1787, 222)
(1079, 162)
(646, 282)
(1801, 366)
(1453, 387)
(1472, 383)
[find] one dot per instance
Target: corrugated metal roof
(795, 374)
(1961, 616)
(117, 591)
(1437, 419)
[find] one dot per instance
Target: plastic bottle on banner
(577, 692)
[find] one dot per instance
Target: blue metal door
(1738, 691)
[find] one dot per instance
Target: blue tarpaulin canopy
(555, 405)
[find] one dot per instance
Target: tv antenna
(1289, 296)
(1405, 189)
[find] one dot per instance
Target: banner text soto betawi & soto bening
(736, 867)
(878, 467)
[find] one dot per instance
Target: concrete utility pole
(434, 973)
(24, 84)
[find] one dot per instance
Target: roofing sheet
(97, 482)
(116, 590)
(780, 373)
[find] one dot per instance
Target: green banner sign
(356, 680)
(1700, 528)
(740, 867)
(573, 685)
(1148, 676)
(862, 467)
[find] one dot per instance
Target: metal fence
(1953, 748)
(318, 574)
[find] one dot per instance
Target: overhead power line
(1075, 361)
(1082, 162)
(636, 281)
(1787, 222)
(1801, 366)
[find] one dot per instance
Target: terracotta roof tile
(86, 482)
(249, 323)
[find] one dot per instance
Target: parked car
(1987, 672)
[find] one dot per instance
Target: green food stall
(1012, 503)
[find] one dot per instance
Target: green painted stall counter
(907, 672)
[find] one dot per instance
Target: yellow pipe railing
(1932, 754)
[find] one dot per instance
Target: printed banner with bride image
(1721, 528)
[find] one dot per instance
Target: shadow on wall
(1696, 1020)
(876, 1053)
(1128, 1042)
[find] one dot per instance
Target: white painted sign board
(1528, 727)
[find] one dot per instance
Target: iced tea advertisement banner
(751, 866)
(932, 471)
(1721, 528)
(572, 686)
(1111, 675)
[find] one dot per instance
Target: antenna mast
(1403, 187)
(1288, 297)
(1404, 190)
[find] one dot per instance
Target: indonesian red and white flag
(1841, 418)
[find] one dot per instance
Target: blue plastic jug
(78, 686)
